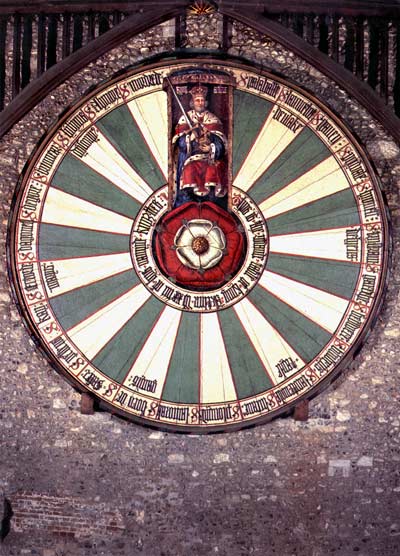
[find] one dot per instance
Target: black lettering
(46, 164)
(25, 236)
(367, 289)
(50, 276)
(28, 277)
(140, 252)
(32, 198)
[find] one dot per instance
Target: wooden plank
(16, 60)
(91, 26)
(41, 45)
(360, 47)
(226, 33)
(51, 57)
(26, 51)
(104, 24)
(373, 58)
(301, 411)
(384, 58)
(116, 17)
(356, 88)
(3, 36)
(298, 24)
(66, 35)
(323, 44)
(310, 28)
(180, 31)
(396, 85)
(60, 6)
(335, 38)
(342, 7)
(39, 88)
(349, 45)
(78, 32)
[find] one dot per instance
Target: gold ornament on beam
(201, 8)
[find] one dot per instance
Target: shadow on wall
(6, 514)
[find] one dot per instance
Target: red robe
(201, 170)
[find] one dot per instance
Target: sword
(189, 123)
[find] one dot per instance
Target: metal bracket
(87, 404)
(300, 412)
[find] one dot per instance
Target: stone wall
(81, 485)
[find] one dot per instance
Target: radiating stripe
(321, 181)
(76, 178)
(123, 132)
(249, 114)
(76, 305)
(150, 114)
(61, 242)
(215, 373)
(104, 159)
(339, 278)
(269, 344)
(153, 360)
(67, 210)
(92, 334)
(272, 140)
(306, 337)
(326, 244)
(304, 152)
(118, 355)
(336, 210)
(321, 307)
(182, 383)
(75, 273)
(249, 373)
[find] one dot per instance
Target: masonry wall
(99, 485)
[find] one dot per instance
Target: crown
(198, 91)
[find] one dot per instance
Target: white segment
(269, 344)
(92, 334)
(75, 273)
(103, 158)
(324, 244)
(215, 372)
(325, 309)
(150, 114)
(321, 181)
(272, 140)
(154, 358)
(67, 210)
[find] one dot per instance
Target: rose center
(200, 245)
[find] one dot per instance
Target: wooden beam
(342, 7)
(40, 87)
(359, 90)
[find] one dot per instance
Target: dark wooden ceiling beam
(342, 7)
(33, 93)
(358, 89)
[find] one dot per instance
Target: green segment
(122, 131)
(304, 152)
(182, 383)
(334, 211)
(117, 357)
(76, 178)
(75, 306)
(305, 337)
(338, 278)
(62, 242)
(249, 115)
(248, 372)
